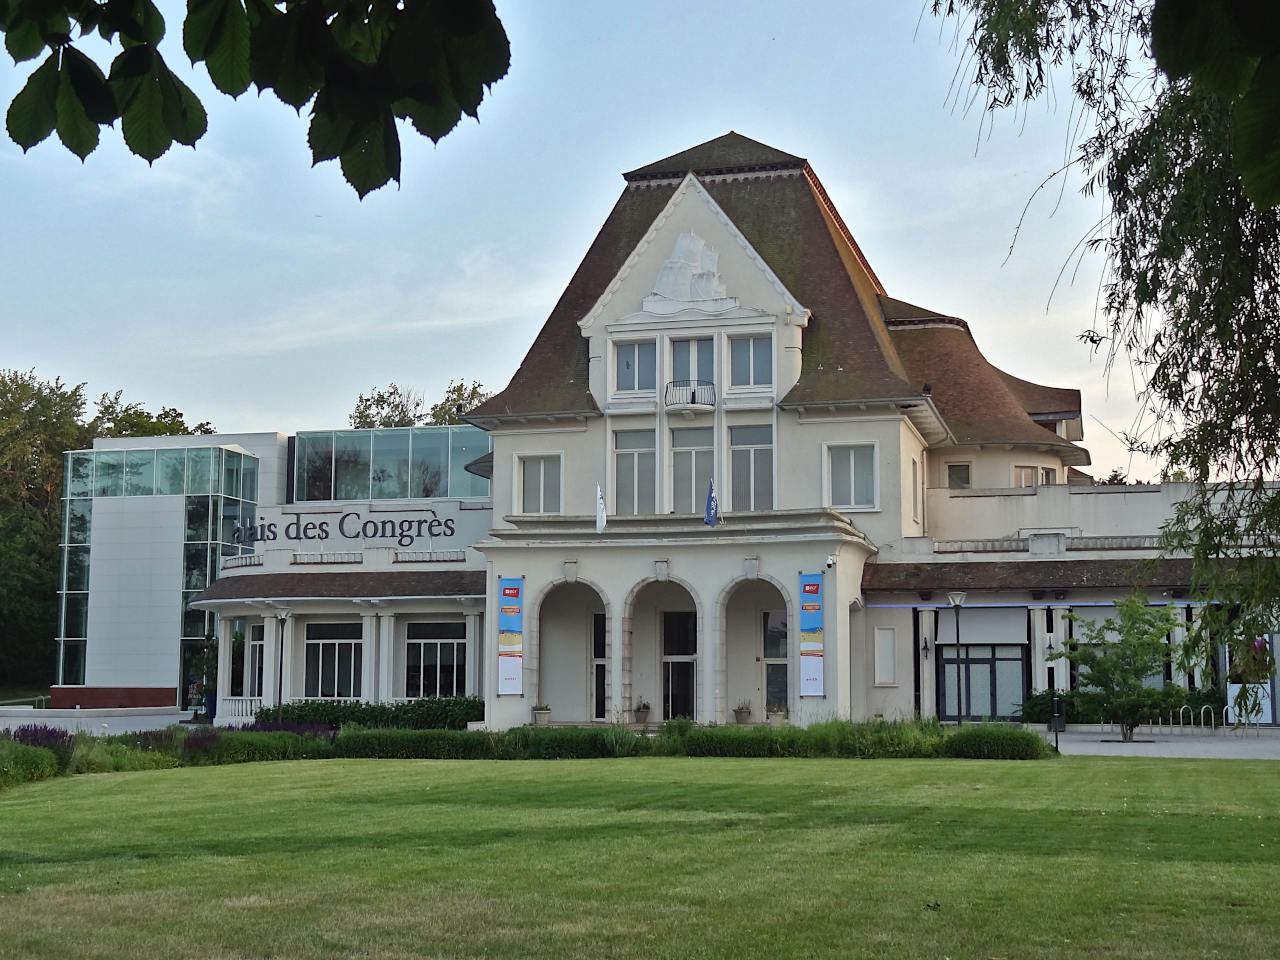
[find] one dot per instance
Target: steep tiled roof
(972, 395)
(731, 153)
(305, 586)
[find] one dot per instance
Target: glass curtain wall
(389, 464)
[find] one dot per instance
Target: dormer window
(636, 366)
(751, 361)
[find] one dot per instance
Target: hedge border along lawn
(20, 763)
(643, 858)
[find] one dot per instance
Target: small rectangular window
(751, 361)
(1048, 476)
(886, 654)
(1024, 476)
(958, 476)
(636, 366)
(540, 484)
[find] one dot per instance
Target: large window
(540, 484)
(692, 461)
(693, 360)
(386, 464)
(634, 467)
(1024, 476)
(679, 663)
(436, 659)
(853, 476)
(982, 681)
(637, 366)
(333, 660)
(751, 467)
(751, 361)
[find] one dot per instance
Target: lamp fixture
(1048, 643)
(956, 598)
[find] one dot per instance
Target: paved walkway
(1252, 744)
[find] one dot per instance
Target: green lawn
(1076, 857)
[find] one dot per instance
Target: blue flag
(713, 506)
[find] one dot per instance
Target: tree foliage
(39, 421)
(1119, 656)
(397, 406)
(361, 65)
(1177, 118)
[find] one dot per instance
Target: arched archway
(573, 646)
(759, 647)
(667, 641)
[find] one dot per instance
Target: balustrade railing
(690, 393)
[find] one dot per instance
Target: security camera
(831, 561)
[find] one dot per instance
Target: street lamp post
(956, 599)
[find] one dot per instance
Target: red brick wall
(89, 698)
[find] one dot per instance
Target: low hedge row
(210, 746)
(20, 763)
(518, 743)
(426, 713)
(992, 741)
(1085, 706)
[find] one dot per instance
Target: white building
(723, 330)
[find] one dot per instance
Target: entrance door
(982, 681)
(776, 666)
(599, 667)
(679, 662)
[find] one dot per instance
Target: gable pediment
(693, 262)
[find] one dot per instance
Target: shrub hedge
(994, 741)
(209, 746)
(20, 763)
(55, 739)
(1083, 706)
(426, 713)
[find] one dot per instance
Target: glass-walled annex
(220, 489)
(397, 463)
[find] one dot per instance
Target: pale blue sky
(244, 287)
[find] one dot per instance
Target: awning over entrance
(1024, 575)
(398, 584)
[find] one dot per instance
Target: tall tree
(397, 406)
(1178, 110)
(119, 419)
(362, 66)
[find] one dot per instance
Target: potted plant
(777, 713)
(541, 714)
(641, 710)
(742, 712)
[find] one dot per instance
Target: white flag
(599, 509)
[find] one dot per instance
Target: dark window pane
(679, 633)
(351, 453)
(79, 517)
(311, 686)
(446, 670)
(351, 630)
(390, 472)
(597, 636)
(413, 670)
(328, 669)
(198, 470)
(76, 614)
(430, 667)
(108, 478)
(77, 569)
(195, 566)
(79, 475)
(139, 473)
(314, 467)
(430, 472)
(437, 630)
(775, 634)
(197, 519)
(73, 662)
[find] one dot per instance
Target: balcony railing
(239, 708)
(690, 393)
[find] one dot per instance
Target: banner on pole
(811, 635)
(510, 635)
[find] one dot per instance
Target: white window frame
(1035, 476)
(828, 494)
(637, 342)
(751, 336)
(1048, 476)
(517, 507)
(356, 649)
(915, 489)
(946, 473)
(455, 642)
(772, 447)
(633, 452)
(885, 654)
(693, 342)
(699, 495)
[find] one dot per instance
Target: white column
(386, 658)
(270, 658)
(286, 657)
(369, 655)
(710, 656)
(619, 654)
(1061, 628)
(928, 662)
(224, 661)
(1039, 641)
(474, 642)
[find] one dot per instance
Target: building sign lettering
(349, 526)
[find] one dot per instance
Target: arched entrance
(666, 646)
(573, 672)
(758, 649)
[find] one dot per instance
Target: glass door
(679, 662)
(599, 667)
(776, 666)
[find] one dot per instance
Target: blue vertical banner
(811, 635)
(510, 635)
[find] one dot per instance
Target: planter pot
(741, 717)
(642, 716)
(777, 719)
(541, 718)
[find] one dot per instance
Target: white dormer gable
(693, 262)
